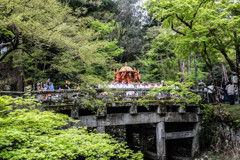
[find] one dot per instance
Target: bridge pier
(160, 141)
(195, 142)
(143, 139)
(74, 112)
(100, 129)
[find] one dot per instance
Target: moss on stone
(233, 110)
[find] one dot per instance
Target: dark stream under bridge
(162, 130)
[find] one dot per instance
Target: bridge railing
(106, 94)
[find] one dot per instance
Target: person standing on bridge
(225, 91)
(230, 91)
(50, 88)
(210, 89)
(66, 86)
(162, 83)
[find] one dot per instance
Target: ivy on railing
(175, 92)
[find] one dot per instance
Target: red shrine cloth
(138, 77)
(121, 77)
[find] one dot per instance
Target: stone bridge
(160, 128)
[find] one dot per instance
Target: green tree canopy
(44, 35)
(208, 27)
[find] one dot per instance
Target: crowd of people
(227, 93)
(134, 85)
(45, 86)
(112, 85)
(48, 86)
(117, 85)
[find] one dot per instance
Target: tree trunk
(44, 64)
(18, 78)
(230, 62)
(196, 72)
(163, 72)
(237, 48)
(188, 66)
(210, 67)
(14, 43)
(224, 73)
(2, 56)
(169, 67)
(182, 70)
(214, 84)
(34, 75)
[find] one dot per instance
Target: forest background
(84, 41)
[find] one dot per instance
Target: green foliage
(6, 32)
(163, 55)
(34, 134)
(89, 100)
(206, 28)
(52, 40)
(4, 103)
(209, 113)
(93, 99)
(202, 73)
(6, 81)
(103, 28)
(156, 64)
(7, 103)
(211, 121)
(111, 49)
(206, 134)
(230, 115)
(218, 74)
